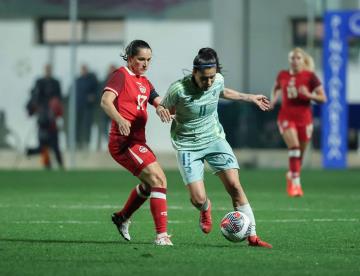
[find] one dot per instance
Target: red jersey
(132, 93)
(295, 106)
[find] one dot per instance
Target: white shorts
(218, 155)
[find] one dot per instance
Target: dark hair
(133, 48)
(206, 58)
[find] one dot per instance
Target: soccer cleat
(122, 226)
(293, 191)
(205, 219)
(163, 241)
(255, 241)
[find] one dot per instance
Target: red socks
(158, 207)
(136, 198)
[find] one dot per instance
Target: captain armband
(153, 95)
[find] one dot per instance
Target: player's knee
(146, 187)
(158, 180)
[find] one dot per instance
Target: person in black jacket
(46, 103)
(87, 87)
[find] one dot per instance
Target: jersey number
(141, 99)
(202, 110)
(292, 92)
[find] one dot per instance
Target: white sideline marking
(308, 220)
(80, 222)
(170, 207)
(55, 222)
(179, 221)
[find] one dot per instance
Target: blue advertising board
(338, 27)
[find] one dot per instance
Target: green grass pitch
(58, 223)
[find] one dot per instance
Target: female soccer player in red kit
(125, 99)
(299, 86)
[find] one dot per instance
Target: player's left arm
(166, 109)
(318, 95)
(260, 100)
(162, 112)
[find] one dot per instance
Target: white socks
(246, 209)
(296, 181)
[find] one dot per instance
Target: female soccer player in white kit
(197, 135)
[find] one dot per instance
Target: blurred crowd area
(245, 127)
(92, 124)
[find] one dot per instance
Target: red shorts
(304, 131)
(132, 156)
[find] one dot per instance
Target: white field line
(316, 220)
(170, 207)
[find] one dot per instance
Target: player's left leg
(304, 136)
(45, 157)
(230, 179)
(222, 160)
(141, 161)
(155, 177)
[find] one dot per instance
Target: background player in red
(298, 86)
(125, 99)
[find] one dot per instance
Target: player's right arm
(107, 104)
(163, 113)
(275, 93)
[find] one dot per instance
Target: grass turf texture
(58, 223)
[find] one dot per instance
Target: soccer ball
(235, 226)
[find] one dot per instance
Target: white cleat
(163, 240)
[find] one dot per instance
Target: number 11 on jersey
(202, 110)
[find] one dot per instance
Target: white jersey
(196, 124)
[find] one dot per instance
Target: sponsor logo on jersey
(142, 88)
(229, 161)
(143, 149)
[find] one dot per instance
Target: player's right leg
(121, 219)
(199, 199)
(134, 158)
(191, 166)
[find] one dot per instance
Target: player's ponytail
(309, 63)
(133, 48)
(206, 58)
